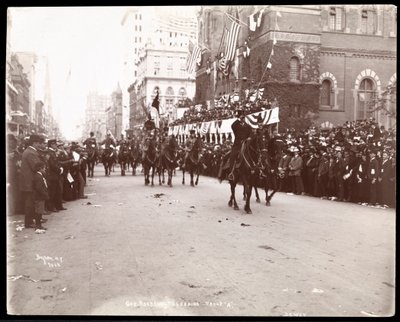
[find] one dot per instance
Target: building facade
(159, 43)
(28, 61)
(95, 115)
(321, 63)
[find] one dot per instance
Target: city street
(131, 249)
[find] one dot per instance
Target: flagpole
(272, 50)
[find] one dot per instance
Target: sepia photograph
(208, 160)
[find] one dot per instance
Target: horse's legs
(169, 171)
(233, 198)
(159, 177)
(163, 174)
(197, 178)
(248, 196)
(183, 176)
(152, 175)
(257, 195)
(191, 178)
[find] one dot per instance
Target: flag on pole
(232, 38)
(194, 57)
(156, 103)
(252, 22)
(259, 18)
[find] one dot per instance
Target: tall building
(28, 61)
(95, 115)
(158, 43)
(321, 62)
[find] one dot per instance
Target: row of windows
(170, 91)
(337, 20)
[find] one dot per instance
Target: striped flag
(193, 58)
(232, 38)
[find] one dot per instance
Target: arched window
(169, 92)
(169, 99)
(294, 69)
(326, 91)
(366, 93)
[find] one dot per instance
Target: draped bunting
(224, 126)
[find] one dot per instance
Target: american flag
(193, 58)
(231, 41)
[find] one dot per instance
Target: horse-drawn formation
(254, 167)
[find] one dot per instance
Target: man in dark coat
(54, 172)
(242, 131)
(373, 173)
(339, 172)
(385, 178)
(30, 157)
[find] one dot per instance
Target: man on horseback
(149, 128)
(90, 142)
(108, 141)
(242, 131)
(189, 145)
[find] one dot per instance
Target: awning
(12, 87)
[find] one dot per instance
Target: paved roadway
(139, 250)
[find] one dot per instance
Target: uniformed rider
(108, 141)
(242, 131)
(90, 142)
(189, 143)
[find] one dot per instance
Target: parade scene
(201, 161)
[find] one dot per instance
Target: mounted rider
(149, 128)
(109, 142)
(168, 143)
(241, 131)
(189, 144)
(90, 143)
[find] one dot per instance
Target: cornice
(348, 52)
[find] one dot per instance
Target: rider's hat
(239, 112)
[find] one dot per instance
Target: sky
(84, 47)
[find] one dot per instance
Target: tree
(386, 103)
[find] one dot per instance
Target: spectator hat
(35, 138)
(338, 149)
(192, 131)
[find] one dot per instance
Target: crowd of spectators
(221, 111)
(62, 166)
(355, 162)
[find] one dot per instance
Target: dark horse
(134, 155)
(247, 170)
(167, 160)
(150, 160)
(123, 157)
(194, 163)
(108, 159)
(268, 177)
(92, 159)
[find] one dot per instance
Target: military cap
(51, 142)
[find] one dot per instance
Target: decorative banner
(224, 126)
(205, 127)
